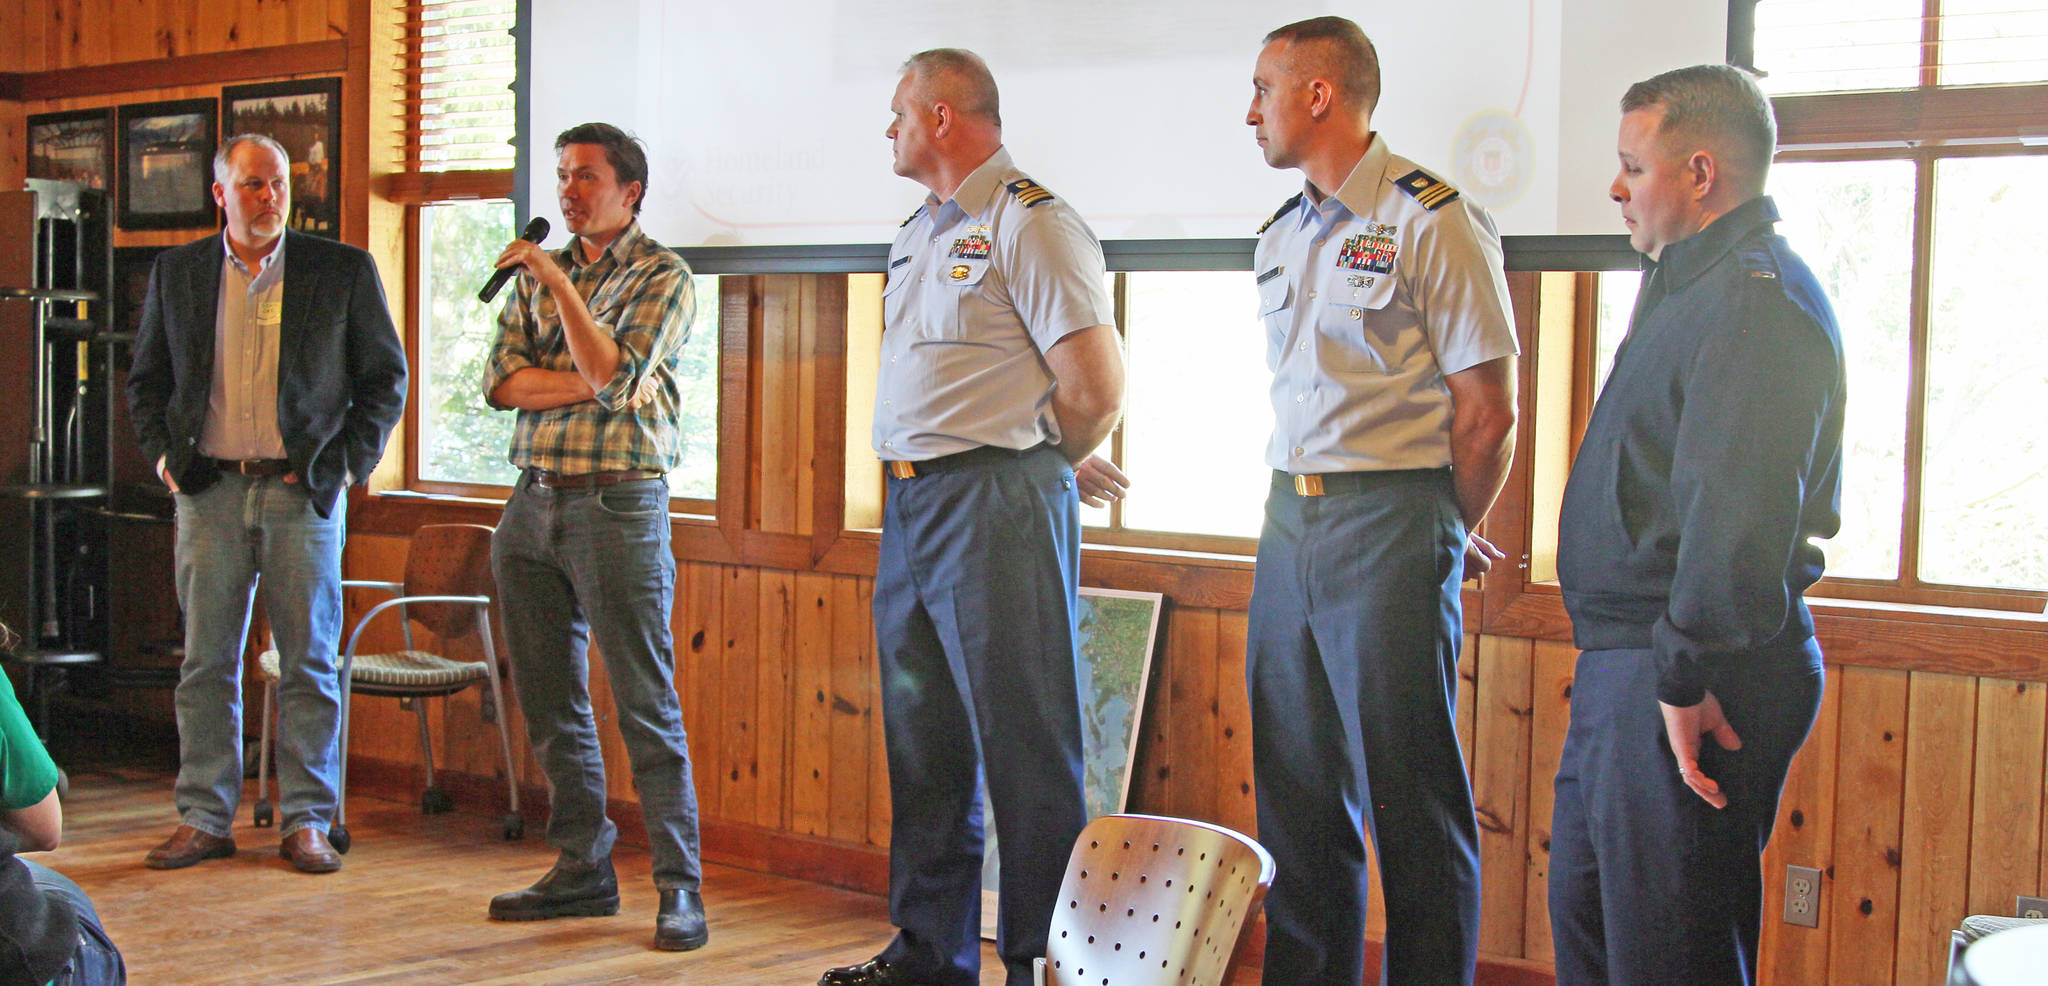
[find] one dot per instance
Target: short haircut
(1720, 107)
(625, 152)
(959, 77)
(223, 164)
(1337, 50)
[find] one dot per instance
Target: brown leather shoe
(309, 851)
(187, 846)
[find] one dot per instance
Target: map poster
(1117, 634)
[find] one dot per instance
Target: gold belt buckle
(1310, 485)
(903, 470)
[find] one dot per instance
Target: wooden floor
(408, 906)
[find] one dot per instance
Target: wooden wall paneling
(880, 809)
(92, 34)
(14, 24)
(215, 27)
(700, 650)
(810, 723)
(2005, 815)
(820, 411)
(311, 21)
(1804, 834)
(778, 418)
(1466, 712)
(853, 714)
(1550, 689)
(1499, 757)
(1861, 916)
(1191, 652)
(1236, 805)
(739, 775)
(1934, 855)
(773, 653)
(135, 36)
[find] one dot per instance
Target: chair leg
(514, 823)
(264, 816)
(433, 801)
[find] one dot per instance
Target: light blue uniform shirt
(1369, 299)
(980, 286)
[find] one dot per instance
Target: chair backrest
(448, 560)
(1151, 900)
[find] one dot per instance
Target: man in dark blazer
(266, 377)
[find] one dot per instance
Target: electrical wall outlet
(1802, 896)
(2024, 906)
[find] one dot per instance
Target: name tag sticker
(269, 311)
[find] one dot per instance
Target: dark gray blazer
(340, 365)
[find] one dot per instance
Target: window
(1196, 416)
(1921, 232)
(459, 128)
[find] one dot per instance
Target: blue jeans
(96, 962)
(241, 534)
(573, 565)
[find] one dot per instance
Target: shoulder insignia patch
(1275, 217)
(1427, 189)
(907, 219)
(1029, 192)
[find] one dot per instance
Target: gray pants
(573, 565)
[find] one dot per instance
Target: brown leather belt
(254, 467)
(551, 480)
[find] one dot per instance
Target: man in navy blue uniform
(1001, 371)
(1388, 332)
(1712, 461)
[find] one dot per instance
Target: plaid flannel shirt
(641, 292)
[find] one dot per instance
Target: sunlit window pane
(1617, 302)
(1831, 46)
(1993, 41)
(1852, 222)
(696, 476)
(1984, 500)
(461, 439)
(1198, 418)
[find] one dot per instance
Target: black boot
(564, 892)
(680, 925)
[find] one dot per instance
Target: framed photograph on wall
(77, 145)
(1118, 633)
(166, 176)
(305, 116)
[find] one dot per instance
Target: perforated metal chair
(447, 590)
(1149, 901)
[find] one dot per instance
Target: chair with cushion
(447, 590)
(1150, 900)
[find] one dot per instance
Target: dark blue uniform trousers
(974, 615)
(1650, 885)
(1353, 669)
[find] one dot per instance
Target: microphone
(535, 231)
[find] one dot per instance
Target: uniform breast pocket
(1276, 310)
(958, 299)
(894, 292)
